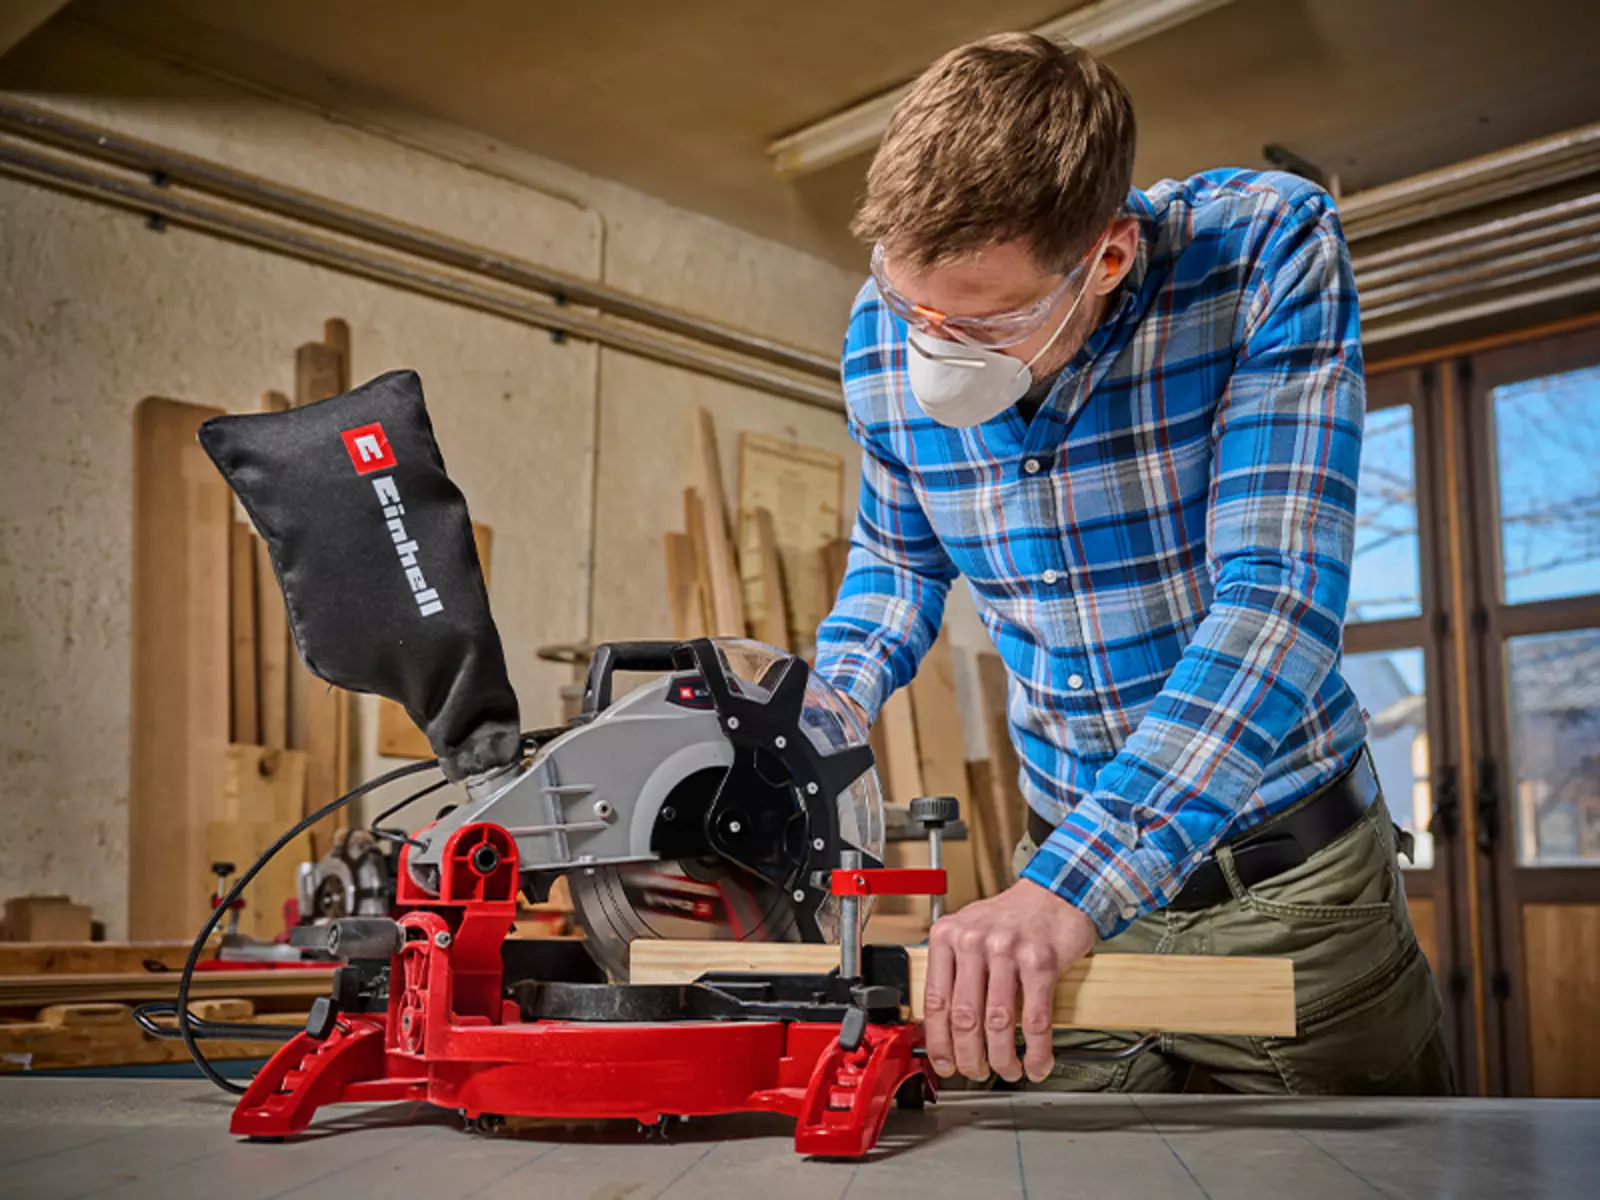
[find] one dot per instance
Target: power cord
(185, 1026)
(531, 740)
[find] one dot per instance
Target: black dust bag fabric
(373, 549)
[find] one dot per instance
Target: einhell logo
(369, 451)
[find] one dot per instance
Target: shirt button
(1074, 681)
(1031, 466)
(1051, 577)
(1127, 912)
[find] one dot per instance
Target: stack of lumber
(218, 691)
(69, 1005)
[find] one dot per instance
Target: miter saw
(731, 797)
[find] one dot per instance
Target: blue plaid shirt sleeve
(891, 602)
(1281, 528)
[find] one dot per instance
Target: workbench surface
(126, 1139)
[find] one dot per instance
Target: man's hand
(978, 960)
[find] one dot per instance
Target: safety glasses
(993, 332)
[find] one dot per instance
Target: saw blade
(702, 899)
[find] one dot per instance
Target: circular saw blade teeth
(677, 900)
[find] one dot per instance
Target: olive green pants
(1367, 1007)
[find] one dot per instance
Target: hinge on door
(1488, 801)
(1441, 625)
(1458, 983)
(1446, 817)
(1480, 621)
(1501, 985)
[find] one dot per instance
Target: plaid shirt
(1162, 555)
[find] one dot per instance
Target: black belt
(1276, 844)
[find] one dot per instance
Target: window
(1547, 443)
(1385, 575)
(1390, 685)
(1555, 746)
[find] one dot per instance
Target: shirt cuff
(865, 680)
(1089, 866)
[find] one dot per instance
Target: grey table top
(131, 1139)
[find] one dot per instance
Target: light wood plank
(76, 1036)
(1561, 953)
(246, 721)
(89, 958)
(982, 832)
(336, 333)
(273, 654)
(180, 652)
(802, 487)
(1250, 997)
(942, 761)
(36, 991)
(684, 596)
(319, 714)
(1009, 808)
(727, 600)
(47, 919)
(770, 620)
(260, 797)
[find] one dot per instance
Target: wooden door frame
(1510, 886)
(1428, 631)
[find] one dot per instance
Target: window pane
(1390, 686)
(1555, 747)
(1547, 440)
(1385, 580)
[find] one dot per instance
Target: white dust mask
(960, 385)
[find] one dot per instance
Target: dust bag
(373, 549)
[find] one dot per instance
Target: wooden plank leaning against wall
(232, 739)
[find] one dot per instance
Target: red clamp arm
(889, 881)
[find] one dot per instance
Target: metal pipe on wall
(1478, 249)
(1541, 260)
(1368, 263)
(240, 225)
(174, 168)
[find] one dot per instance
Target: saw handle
(621, 656)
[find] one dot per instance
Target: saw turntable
(733, 796)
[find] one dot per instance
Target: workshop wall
(97, 311)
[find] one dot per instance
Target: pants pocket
(1385, 1040)
(1355, 878)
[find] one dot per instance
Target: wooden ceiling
(681, 100)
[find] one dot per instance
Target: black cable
(395, 835)
(184, 1026)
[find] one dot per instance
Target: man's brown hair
(1012, 137)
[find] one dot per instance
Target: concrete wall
(97, 311)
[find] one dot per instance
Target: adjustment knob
(935, 812)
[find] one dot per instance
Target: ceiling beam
(1101, 27)
(19, 18)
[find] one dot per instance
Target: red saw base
(450, 1038)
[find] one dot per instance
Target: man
(1133, 421)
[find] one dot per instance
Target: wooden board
(244, 719)
(273, 652)
(76, 1036)
(1009, 807)
(895, 743)
(90, 958)
(941, 760)
(769, 617)
(727, 601)
(398, 735)
(1561, 955)
(319, 714)
(336, 333)
(182, 519)
(993, 872)
(261, 796)
(832, 561)
(36, 991)
(1252, 997)
(803, 488)
(684, 595)
(47, 919)
(694, 524)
